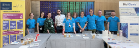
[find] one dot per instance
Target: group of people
(73, 24)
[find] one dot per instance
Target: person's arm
(55, 22)
(38, 27)
(74, 27)
(79, 25)
(108, 26)
(64, 26)
(27, 26)
(46, 26)
(27, 30)
(118, 26)
(85, 24)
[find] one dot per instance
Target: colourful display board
(12, 19)
(52, 6)
(129, 19)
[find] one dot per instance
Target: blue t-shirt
(113, 26)
(82, 21)
(69, 25)
(41, 21)
(91, 22)
(76, 25)
(100, 23)
(31, 23)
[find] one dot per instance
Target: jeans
(31, 31)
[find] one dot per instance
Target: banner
(12, 19)
(129, 19)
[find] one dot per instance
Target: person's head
(99, 13)
(68, 16)
(91, 11)
(58, 12)
(31, 15)
(49, 14)
(113, 13)
(82, 13)
(42, 14)
(75, 15)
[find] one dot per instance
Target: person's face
(82, 13)
(49, 15)
(68, 14)
(99, 13)
(91, 11)
(31, 15)
(113, 13)
(58, 12)
(42, 14)
(75, 15)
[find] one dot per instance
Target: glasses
(58, 11)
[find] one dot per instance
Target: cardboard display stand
(12, 21)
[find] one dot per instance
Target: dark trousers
(77, 30)
(98, 32)
(59, 29)
(41, 29)
(93, 31)
(115, 32)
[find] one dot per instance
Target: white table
(58, 41)
(121, 42)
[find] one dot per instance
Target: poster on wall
(10, 32)
(12, 38)
(5, 40)
(6, 5)
(12, 24)
(20, 24)
(129, 19)
(12, 15)
(5, 25)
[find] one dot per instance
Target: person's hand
(28, 32)
(108, 31)
(75, 32)
(82, 29)
(48, 31)
(38, 32)
(63, 31)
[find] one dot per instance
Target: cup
(32, 40)
(22, 40)
(64, 35)
(93, 36)
(25, 43)
(117, 34)
(69, 35)
(29, 42)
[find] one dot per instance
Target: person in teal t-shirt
(69, 24)
(113, 23)
(100, 19)
(40, 23)
(91, 21)
(75, 17)
(30, 24)
(82, 22)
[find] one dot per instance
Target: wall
(99, 5)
